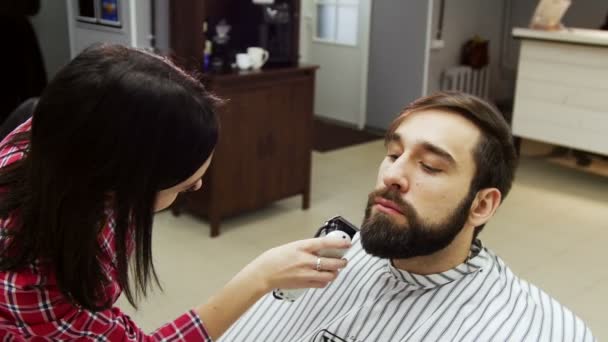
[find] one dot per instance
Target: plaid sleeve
(30, 312)
(10, 153)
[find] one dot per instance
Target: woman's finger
(329, 264)
(317, 244)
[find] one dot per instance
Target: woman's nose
(197, 185)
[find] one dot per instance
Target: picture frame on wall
(100, 12)
(110, 12)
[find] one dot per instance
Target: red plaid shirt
(32, 307)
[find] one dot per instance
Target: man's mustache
(393, 196)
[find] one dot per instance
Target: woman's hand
(293, 265)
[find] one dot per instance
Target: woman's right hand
(293, 265)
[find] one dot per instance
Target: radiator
(468, 80)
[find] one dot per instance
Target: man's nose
(395, 176)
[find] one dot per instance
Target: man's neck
(443, 260)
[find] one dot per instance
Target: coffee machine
(278, 31)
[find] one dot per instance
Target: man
(417, 272)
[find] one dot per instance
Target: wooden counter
(562, 86)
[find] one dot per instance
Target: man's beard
(381, 236)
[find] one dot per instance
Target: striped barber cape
(370, 301)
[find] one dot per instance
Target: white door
(335, 35)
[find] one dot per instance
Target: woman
(116, 136)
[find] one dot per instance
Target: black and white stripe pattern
(480, 300)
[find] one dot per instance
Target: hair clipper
(338, 227)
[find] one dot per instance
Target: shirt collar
(479, 259)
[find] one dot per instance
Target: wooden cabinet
(264, 151)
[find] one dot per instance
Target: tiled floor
(552, 230)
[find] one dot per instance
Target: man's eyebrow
(426, 145)
(392, 138)
(438, 151)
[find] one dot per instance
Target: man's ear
(484, 206)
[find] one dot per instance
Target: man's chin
(380, 249)
(378, 233)
(396, 219)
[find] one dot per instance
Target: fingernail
(345, 259)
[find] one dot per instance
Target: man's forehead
(437, 121)
(450, 131)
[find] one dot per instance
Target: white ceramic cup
(258, 56)
(243, 61)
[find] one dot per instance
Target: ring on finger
(318, 264)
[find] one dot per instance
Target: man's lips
(387, 206)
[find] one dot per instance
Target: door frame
(364, 62)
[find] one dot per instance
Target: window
(337, 21)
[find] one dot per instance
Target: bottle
(207, 55)
(206, 65)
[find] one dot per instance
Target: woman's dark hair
(495, 156)
(113, 128)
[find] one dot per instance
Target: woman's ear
(484, 206)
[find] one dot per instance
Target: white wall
(586, 13)
(306, 23)
(463, 19)
(51, 27)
